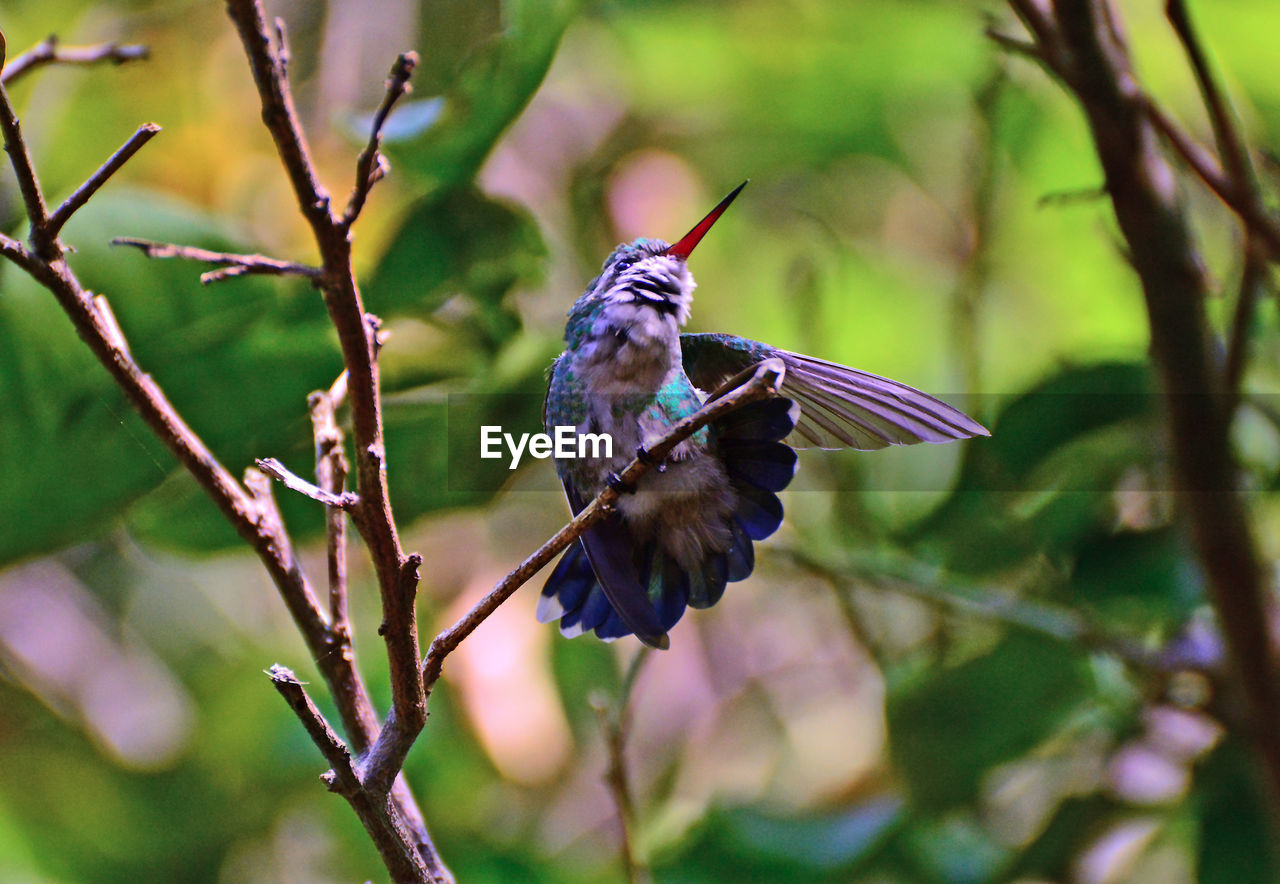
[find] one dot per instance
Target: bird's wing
(841, 407)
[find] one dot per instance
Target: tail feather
(611, 584)
(707, 586)
(766, 465)
(759, 511)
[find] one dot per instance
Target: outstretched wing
(840, 407)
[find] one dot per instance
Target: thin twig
(1254, 279)
(614, 719)
(1226, 131)
(291, 480)
(371, 166)
(49, 52)
(1016, 46)
(23, 168)
(71, 204)
(1207, 168)
(331, 475)
(390, 834)
(241, 264)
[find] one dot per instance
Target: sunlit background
(936, 684)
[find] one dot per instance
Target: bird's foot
(614, 481)
(643, 455)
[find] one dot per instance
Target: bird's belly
(684, 508)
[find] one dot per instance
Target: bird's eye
(623, 265)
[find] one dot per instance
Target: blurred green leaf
(1139, 579)
(459, 241)
(754, 843)
(1237, 843)
(948, 730)
(492, 85)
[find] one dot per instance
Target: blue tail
(748, 443)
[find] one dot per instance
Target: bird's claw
(614, 481)
(643, 455)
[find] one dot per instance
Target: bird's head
(650, 273)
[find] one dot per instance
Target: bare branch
(357, 335)
(373, 516)
(371, 167)
(49, 52)
(1226, 131)
(331, 475)
(23, 168)
(615, 724)
(251, 510)
(389, 833)
(1016, 46)
(1240, 171)
(1206, 167)
(1254, 279)
(1096, 66)
(95, 181)
(294, 482)
(235, 264)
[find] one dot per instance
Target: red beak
(685, 246)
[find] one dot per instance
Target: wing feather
(841, 407)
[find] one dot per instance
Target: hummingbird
(686, 528)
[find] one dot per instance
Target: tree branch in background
(392, 839)
(1084, 47)
(250, 508)
(614, 719)
(71, 204)
(397, 572)
(49, 52)
(234, 265)
(1240, 171)
(371, 165)
(331, 475)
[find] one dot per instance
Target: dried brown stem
(251, 508)
(614, 720)
(71, 204)
(331, 475)
(371, 166)
(294, 482)
(49, 52)
(397, 576)
(389, 833)
(235, 265)
(1206, 166)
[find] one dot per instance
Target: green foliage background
(932, 677)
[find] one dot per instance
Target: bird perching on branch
(687, 526)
